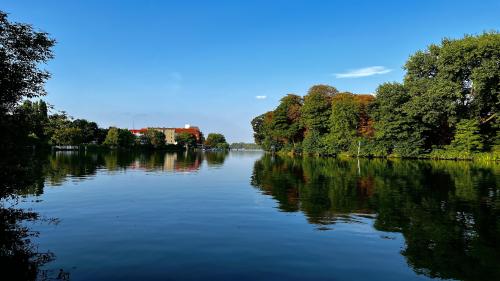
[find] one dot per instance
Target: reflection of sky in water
(244, 215)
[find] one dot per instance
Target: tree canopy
(448, 99)
(216, 140)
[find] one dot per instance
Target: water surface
(248, 216)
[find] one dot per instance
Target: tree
(89, 130)
(216, 140)
(343, 122)
(395, 131)
(467, 137)
(186, 139)
(454, 80)
(119, 138)
(23, 52)
(154, 138)
(313, 143)
(55, 122)
(286, 125)
(67, 136)
(444, 84)
(258, 128)
(317, 108)
(32, 119)
(112, 138)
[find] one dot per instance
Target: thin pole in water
(359, 147)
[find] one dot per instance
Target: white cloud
(363, 72)
(261, 97)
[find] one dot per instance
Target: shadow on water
(26, 174)
(448, 212)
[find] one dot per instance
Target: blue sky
(218, 64)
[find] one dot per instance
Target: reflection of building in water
(173, 162)
(187, 166)
(169, 163)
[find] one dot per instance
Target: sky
(218, 64)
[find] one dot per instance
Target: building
(138, 132)
(170, 133)
(195, 131)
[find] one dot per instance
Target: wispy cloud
(261, 97)
(363, 72)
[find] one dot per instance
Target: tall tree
(23, 51)
(343, 122)
(467, 137)
(286, 125)
(317, 108)
(395, 131)
(454, 80)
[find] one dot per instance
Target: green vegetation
(216, 141)
(23, 51)
(186, 139)
(446, 107)
(242, 145)
(447, 211)
(153, 138)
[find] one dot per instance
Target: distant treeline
(446, 107)
(242, 145)
(36, 127)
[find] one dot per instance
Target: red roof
(138, 131)
(193, 130)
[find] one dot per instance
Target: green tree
(467, 137)
(263, 132)
(119, 138)
(89, 130)
(216, 140)
(23, 52)
(33, 117)
(258, 129)
(454, 80)
(112, 138)
(343, 122)
(316, 109)
(125, 138)
(55, 122)
(314, 143)
(186, 139)
(395, 131)
(67, 136)
(154, 138)
(286, 125)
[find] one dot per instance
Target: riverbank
(101, 147)
(437, 154)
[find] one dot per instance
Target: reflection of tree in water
(19, 257)
(25, 174)
(215, 158)
(447, 211)
(313, 186)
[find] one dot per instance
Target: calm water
(249, 216)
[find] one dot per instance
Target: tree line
(446, 107)
(40, 128)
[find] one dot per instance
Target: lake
(248, 216)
